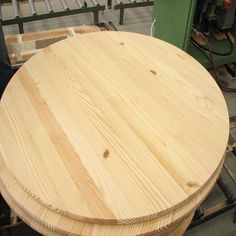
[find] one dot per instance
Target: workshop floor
(139, 20)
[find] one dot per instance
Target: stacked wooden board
(23, 46)
(111, 133)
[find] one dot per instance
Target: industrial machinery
(201, 27)
(206, 29)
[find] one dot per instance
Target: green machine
(178, 22)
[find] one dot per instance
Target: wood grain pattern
(21, 47)
(49, 222)
(113, 128)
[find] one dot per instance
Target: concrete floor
(139, 20)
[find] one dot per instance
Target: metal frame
(109, 3)
(132, 4)
(211, 213)
(20, 20)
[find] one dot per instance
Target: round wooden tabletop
(112, 128)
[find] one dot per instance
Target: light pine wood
(109, 129)
(49, 222)
(21, 47)
(47, 34)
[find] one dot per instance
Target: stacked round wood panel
(111, 133)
